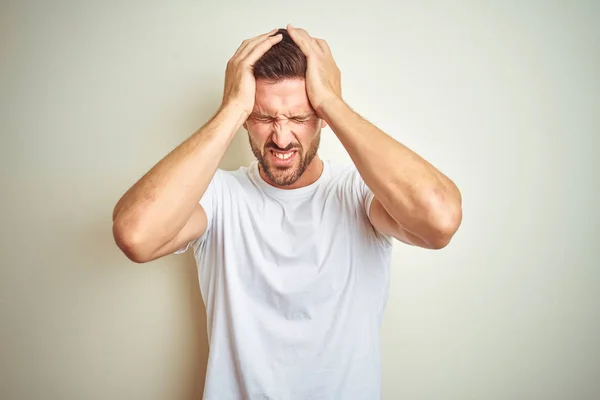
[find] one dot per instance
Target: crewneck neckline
(287, 193)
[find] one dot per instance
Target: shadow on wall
(197, 312)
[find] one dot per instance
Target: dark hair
(284, 60)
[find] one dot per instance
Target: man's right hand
(240, 85)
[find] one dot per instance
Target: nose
(282, 134)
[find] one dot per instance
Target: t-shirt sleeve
(365, 197)
(208, 203)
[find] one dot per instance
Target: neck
(310, 175)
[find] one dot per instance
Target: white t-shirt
(295, 283)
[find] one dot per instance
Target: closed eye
(262, 119)
(301, 120)
(268, 119)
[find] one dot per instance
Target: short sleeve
(365, 197)
(208, 202)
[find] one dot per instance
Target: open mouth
(283, 157)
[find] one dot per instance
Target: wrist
(235, 113)
(329, 107)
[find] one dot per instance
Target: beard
(286, 176)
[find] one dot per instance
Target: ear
(323, 123)
(245, 125)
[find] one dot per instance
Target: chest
(300, 258)
(309, 232)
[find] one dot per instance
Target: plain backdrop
(503, 96)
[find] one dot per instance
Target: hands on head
(323, 77)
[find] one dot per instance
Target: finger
(253, 42)
(323, 45)
(262, 47)
(306, 42)
(247, 42)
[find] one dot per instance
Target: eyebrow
(303, 116)
(298, 116)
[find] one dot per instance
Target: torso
(295, 283)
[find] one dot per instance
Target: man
(293, 252)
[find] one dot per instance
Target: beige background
(502, 96)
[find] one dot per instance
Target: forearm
(157, 207)
(415, 194)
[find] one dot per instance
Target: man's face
(284, 130)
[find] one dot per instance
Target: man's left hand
(323, 77)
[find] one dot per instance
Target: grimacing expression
(284, 130)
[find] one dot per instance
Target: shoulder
(339, 168)
(356, 197)
(239, 183)
(341, 172)
(345, 176)
(346, 183)
(228, 178)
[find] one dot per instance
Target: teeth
(283, 156)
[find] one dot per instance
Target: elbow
(445, 226)
(444, 221)
(131, 242)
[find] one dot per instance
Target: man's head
(283, 129)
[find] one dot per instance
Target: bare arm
(161, 212)
(158, 207)
(414, 202)
(424, 204)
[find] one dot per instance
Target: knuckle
(245, 63)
